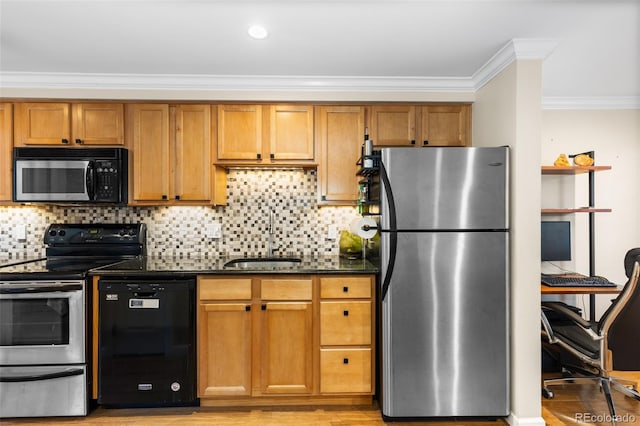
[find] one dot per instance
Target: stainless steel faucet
(271, 232)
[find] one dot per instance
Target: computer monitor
(556, 240)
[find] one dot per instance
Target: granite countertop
(308, 265)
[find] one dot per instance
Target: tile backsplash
(300, 225)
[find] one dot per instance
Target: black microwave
(70, 175)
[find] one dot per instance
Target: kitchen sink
(263, 262)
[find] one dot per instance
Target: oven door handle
(38, 377)
(40, 289)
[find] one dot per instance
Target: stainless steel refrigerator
(445, 282)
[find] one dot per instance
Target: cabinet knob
(247, 308)
(413, 142)
(425, 142)
(177, 197)
(272, 156)
(345, 360)
(259, 156)
(164, 197)
(345, 289)
(323, 197)
(345, 313)
(65, 140)
(263, 307)
(79, 141)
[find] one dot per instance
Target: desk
(545, 289)
(590, 290)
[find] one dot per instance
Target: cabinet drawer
(345, 323)
(345, 287)
(285, 289)
(224, 289)
(345, 370)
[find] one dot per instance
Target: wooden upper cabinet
(172, 155)
(148, 138)
(339, 134)
(445, 125)
(291, 129)
(265, 135)
(239, 132)
(193, 157)
(426, 125)
(6, 157)
(49, 123)
(393, 125)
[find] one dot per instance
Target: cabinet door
(286, 336)
(98, 124)
(346, 370)
(42, 123)
(339, 132)
(393, 125)
(148, 126)
(6, 157)
(291, 132)
(224, 349)
(240, 132)
(445, 125)
(193, 152)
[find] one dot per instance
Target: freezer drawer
(43, 391)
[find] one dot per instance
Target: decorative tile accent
(300, 225)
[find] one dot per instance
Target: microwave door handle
(91, 180)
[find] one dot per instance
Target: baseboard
(514, 420)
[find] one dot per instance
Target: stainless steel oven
(43, 369)
(44, 318)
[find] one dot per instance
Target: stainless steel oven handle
(38, 377)
(30, 289)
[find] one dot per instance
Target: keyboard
(575, 281)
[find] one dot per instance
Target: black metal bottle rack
(369, 184)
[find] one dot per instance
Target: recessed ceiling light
(258, 32)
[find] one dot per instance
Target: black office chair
(588, 343)
(624, 334)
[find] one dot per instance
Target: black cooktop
(74, 249)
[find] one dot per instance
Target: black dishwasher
(147, 341)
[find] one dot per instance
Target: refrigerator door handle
(393, 236)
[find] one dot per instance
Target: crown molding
(168, 82)
(283, 87)
(516, 49)
(591, 103)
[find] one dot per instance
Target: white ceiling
(417, 44)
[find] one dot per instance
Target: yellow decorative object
(562, 161)
(583, 160)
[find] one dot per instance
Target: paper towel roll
(358, 227)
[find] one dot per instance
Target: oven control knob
(122, 232)
(52, 232)
(62, 233)
(175, 386)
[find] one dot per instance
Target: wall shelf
(575, 210)
(572, 170)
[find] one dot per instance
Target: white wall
(507, 111)
(614, 135)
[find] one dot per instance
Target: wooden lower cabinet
(273, 339)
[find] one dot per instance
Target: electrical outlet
(332, 232)
(213, 230)
(20, 232)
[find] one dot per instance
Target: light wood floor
(569, 402)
